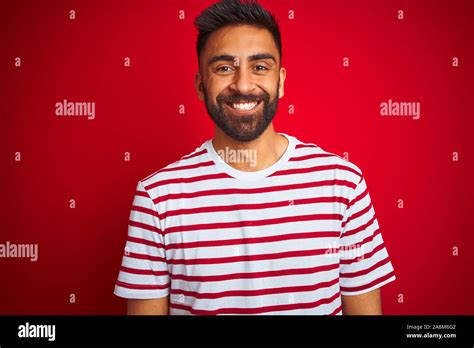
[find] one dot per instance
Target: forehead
(240, 41)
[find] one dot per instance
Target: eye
(260, 68)
(224, 68)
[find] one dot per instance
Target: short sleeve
(144, 271)
(364, 261)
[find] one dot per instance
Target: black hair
(235, 12)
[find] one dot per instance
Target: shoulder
(309, 154)
(178, 169)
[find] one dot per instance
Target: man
(253, 221)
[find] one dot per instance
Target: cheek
(269, 84)
(216, 86)
(271, 89)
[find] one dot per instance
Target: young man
(253, 221)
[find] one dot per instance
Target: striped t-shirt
(289, 239)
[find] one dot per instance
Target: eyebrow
(254, 57)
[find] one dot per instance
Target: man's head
(240, 75)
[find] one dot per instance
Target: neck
(253, 155)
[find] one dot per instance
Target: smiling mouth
(244, 107)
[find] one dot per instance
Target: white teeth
(244, 106)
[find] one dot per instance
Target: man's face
(240, 80)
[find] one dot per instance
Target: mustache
(246, 98)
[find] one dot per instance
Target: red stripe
(257, 257)
(236, 241)
(141, 286)
(195, 154)
(248, 223)
(314, 155)
(360, 228)
(369, 285)
(145, 210)
(336, 311)
(317, 168)
(189, 166)
(252, 275)
(366, 255)
(188, 180)
(367, 239)
(358, 198)
(142, 194)
(257, 310)
(145, 242)
(356, 215)
(144, 271)
(216, 192)
(255, 240)
(259, 292)
(145, 257)
(144, 226)
(302, 145)
(367, 270)
(254, 206)
(182, 158)
(148, 177)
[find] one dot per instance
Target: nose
(243, 82)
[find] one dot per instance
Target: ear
(281, 87)
(198, 84)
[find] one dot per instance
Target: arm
(365, 304)
(156, 306)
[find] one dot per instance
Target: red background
(336, 107)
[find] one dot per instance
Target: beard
(246, 127)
